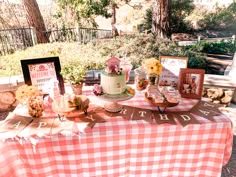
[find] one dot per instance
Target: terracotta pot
(77, 89)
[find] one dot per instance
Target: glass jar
(141, 81)
(127, 67)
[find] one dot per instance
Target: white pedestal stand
(112, 104)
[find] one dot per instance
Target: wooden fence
(21, 38)
(82, 35)
(15, 39)
(18, 39)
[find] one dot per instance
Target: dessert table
(116, 147)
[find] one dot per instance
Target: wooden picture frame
(190, 84)
(41, 72)
(171, 68)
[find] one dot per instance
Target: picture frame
(190, 84)
(41, 72)
(171, 68)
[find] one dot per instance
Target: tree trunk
(161, 18)
(35, 20)
(113, 20)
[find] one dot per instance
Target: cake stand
(112, 104)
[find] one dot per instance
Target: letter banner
(205, 113)
(11, 126)
(142, 114)
(163, 118)
(208, 105)
(126, 112)
(27, 126)
(39, 126)
(185, 118)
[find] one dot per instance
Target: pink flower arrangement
(97, 89)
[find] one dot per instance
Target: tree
(35, 20)
(222, 19)
(88, 10)
(85, 11)
(115, 5)
(161, 18)
(180, 10)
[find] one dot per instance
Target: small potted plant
(74, 73)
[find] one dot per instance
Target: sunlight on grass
(91, 55)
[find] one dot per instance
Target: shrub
(196, 60)
(94, 54)
(222, 18)
(221, 47)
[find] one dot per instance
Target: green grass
(10, 64)
(92, 55)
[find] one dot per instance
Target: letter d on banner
(186, 118)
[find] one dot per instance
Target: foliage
(221, 47)
(223, 18)
(196, 60)
(179, 11)
(94, 54)
(73, 72)
(84, 11)
(147, 22)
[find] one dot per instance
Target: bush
(221, 47)
(196, 60)
(133, 48)
(222, 18)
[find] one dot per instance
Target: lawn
(91, 55)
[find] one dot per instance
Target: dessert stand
(112, 104)
(161, 106)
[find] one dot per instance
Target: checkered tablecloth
(123, 148)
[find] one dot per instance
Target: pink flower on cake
(97, 90)
(118, 70)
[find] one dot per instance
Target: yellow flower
(152, 66)
(25, 91)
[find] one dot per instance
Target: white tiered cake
(113, 79)
(113, 83)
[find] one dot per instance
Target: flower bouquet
(31, 97)
(153, 68)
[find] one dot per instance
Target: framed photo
(42, 72)
(190, 83)
(171, 67)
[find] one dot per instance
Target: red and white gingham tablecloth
(123, 148)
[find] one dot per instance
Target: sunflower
(152, 66)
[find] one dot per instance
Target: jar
(141, 81)
(127, 67)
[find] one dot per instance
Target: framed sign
(41, 72)
(190, 83)
(171, 67)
